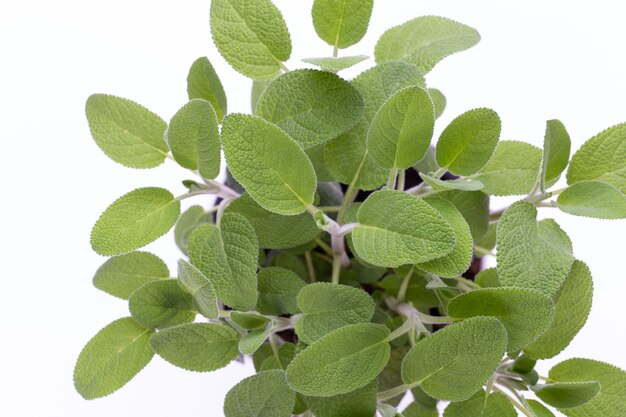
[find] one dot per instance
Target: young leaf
(458, 184)
(341, 23)
(602, 158)
(474, 206)
(227, 256)
(439, 100)
(194, 138)
(126, 132)
(192, 280)
(200, 347)
(593, 199)
(425, 41)
(468, 142)
(400, 133)
(327, 307)
(265, 394)
(248, 321)
(134, 220)
(334, 64)
(253, 340)
(532, 254)
(482, 405)
(311, 106)
(573, 303)
(415, 233)
(112, 358)
(525, 313)
(512, 170)
(539, 409)
(609, 402)
(193, 217)
(203, 82)
(455, 362)
(358, 403)
(161, 304)
(123, 274)
(563, 395)
(269, 164)
(251, 36)
(556, 148)
(278, 289)
(340, 362)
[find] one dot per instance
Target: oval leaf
(593, 199)
(161, 304)
(264, 394)
(556, 148)
(278, 289)
(341, 23)
(192, 280)
(564, 395)
(193, 217)
(203, 82)
(481, 405)
(336, 64)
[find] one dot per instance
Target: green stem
(401, 180)
(515, 403)
(329, 208)
(391, 182)
(325, 247)
(428, 319)
(283, 67)
(348, 198)
(394, 392)
(310, 266)
(336, 270)
(405, 328)
(404, 286)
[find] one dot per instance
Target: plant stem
(283, 67)
(329, 208)
(391, 182)
(348, 198)
(515, 403)
(324, 246)
(336, 270)
(404, 286)
(404, 328)
(401, 180)
(394, 392)
(309, 266)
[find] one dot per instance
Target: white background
(538, 60)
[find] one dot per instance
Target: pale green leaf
(358, 403)
(265, 394)
(258, 86)
(192, 280)
(203, 82)
(564, 395)
(539, 409)
(474, 206)
(317, 155)
(439, 101)
(269, 164)
(112, 358)
(200, 347)
(286, 353)
(556, 149)
(341, 23)
(253, 340)
(336, 64)
(191, 218)
(248, 321)
(488, 278)
(161, 304)
(487, 243)
(481, 405)
(126, 132)
(251, 36)
(457, 184)
(387, 410)
(593, 199)
(134, 220)
(416, 409)
(428, 164)
(278, 289)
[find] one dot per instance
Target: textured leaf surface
(198, 347)
(415, 409)
(488, 278)
(191, 218)
(563, 395)
(126, 132)
(328, 307)
(265, 394)
(134, 220)
(203, 82)
(358, 403)
(269, 164)
(278, 289)
(253, 340)
(458, 184)
(539, 409)
(123, 274)
(556, 149)
(439, 100)
(112, 358)
(425, 41)
(161, 304)
(228, 257)
(251, 36)
(482, 405)
(341, 23)
(455, 362)
(337, 64)
(593, 199)
(573, 304)
(474, 206)
(415, 233)
(248, 321)
(532, 254)
(192, 280)
(340, 362)
(525, 313)
(311, 106)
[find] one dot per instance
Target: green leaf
(336, 64)
(311, 106)
(258, 86)
(573, 303)
(161, 304)
(525, 313)
(456, 361)
(123, 274)
(269, 164)
(200, 347)
(415, 233)
(248, 321)
(439, 100)
(416, 409)
(265, 394)
(593, 199)
(316, 155)
(458, 184)
(192, 280)
(482, 405)
(126, 132)
(602, 158)
(532, 254)
(358, 403)
(278, 289)
(425, 41)
(539, 409)
(400, 133)
(469, 141)
(253, 340)
(194, 138)
(286, 353)
(327, 307)
(390, 376)
(488, 278)
(341, 23)
(564, 395)
(193, 217)
(458, 260)
(416, 292)
(203, 82)
(251, 36)
(487, 243)
(228, 256)
(556, 148)
(474, 206)
(134, 220)
(512, 170)
(112, 358)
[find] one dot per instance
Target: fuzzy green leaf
(112, 358)
(556, 149)
(358, 403)
(311, 106)
(248, 321)
(192, 280)
(161, 304)
(253, 340)
(200, 347)
(563, 395)
(415, 233)
(488, 278)
(336, 64)
(134, 220)
(126, 132)
(458, 184)
(278, 289)
(481, 405)
(251, 36)
(203, 82)
(341, 23)
(593, 199)
(269, 164)
(539, 409)
(327, 307)
(265, 394)
(439, 100)
(340, 362)
(456, 361)
(416, 409)
(193, 217)
(474, 206)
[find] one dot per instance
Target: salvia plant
(343, 253)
